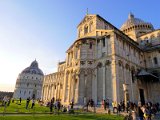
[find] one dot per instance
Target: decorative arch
(158, 34)
(133, 68)
(86, 29)
(80, 30)
(91, 26)
(152, 37)
(99, 65)
(146, 38)
(127, 66)
(108, 62)
(120, 63)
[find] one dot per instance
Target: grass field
(20, 108)
(21, 113)
(64, 117)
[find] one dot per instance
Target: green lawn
(21, 108)
(64, 117)
(19, 113)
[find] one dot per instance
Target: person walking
(33, 103)
(20, 99)
(140, 113)
(27, 102)
(51, 105)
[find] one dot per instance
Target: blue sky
(44, 29)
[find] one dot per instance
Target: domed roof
(33, 69)
(132, 21)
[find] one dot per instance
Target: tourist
(51, 105)
(119, 108)
(139, 112)
(27, 102)
(9, 101)
(58, 105)
(33, 103)
(104, 104)
(5, 100)
(114, 105)
(72, 104)
(20, 99)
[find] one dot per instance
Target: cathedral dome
(33, 69)
(135, 22)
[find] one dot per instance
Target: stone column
(104, 83)
(77, 89)
(42, 94)
(94, 87)
(64, 87)
(131, 85)
(47, 93)
(72, 87)
(69, 90)
(56, 90)
(85, 87)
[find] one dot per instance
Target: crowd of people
(6, 101)
(140, 111)
(56, 104)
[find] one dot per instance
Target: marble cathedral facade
(105, 62)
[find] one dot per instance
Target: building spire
(130, 16)
(87, 11)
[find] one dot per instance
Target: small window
(29, 92)
(104, 43)
(20, 91)
(155, 60)
(85, 29)
(35, 85)
(90, 45)
(27, 84)
(132, 73)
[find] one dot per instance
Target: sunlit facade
(104, 60)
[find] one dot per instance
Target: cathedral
(105, 62)
(29, 83)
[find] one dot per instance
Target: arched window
(155, 60)
(86, 29)
(90, 45)
(80, 30)
(152, 37)
(146, 38)
(91, 27)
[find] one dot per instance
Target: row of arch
(147, 26)
(152, 36)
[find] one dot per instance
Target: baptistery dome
(29, 82)
(33, 69)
